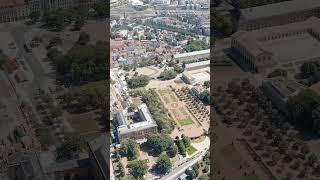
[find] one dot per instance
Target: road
(183, 167)
(184, 164)
(39, 77)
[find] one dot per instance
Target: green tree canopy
(167, 75)
(159, 142)
(138, 168)
(129, 148)
(163, 164)
(138, 81)
(278, 72)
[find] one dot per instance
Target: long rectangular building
(189, 56)
(278, 14)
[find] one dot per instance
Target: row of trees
(156, 108)
(183, 144)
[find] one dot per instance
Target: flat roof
(194, 53)
(277, 9)
(200, 63)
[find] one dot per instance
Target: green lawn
(251, 177)
(186, 121)
(191, 150)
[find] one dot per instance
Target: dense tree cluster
(167, 75)
(138, 81)
(277, 73)
(82, 63)
(156, 108)
(204, 96)
(138, 168)
(309, 68)
(161, 142)
(163, 164)
(304, 110)
(129, 148)
(196, 46)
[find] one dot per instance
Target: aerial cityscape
(266, 91)
(160, 89)
(52, 95)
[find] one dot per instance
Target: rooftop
(277, 9)
(126, 125)
(195, 53)
(10, 3)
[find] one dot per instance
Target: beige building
(263, 48)
(278, 14)
(135, 125)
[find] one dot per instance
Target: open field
(232, 155)
(251, 177)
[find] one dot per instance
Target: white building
(184, 57)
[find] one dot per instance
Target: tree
(191, 173)
(164, 164)
(84, 38)
(301, 106)
(204, 96)
(172, 150)
(159, 142)
(277, 73)
(234, 88)
(312, 159)
(178, 68)
(206, 84)
(186, 140)
(78, 24)
(74, 144)
(167, 75)
(308, 68)
(121, 169)
(138, 81)
(181, 147)
(129, 148)
(101, 8)
(138, 168)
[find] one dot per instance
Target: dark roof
(277, 9)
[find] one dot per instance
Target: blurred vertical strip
(212, 121)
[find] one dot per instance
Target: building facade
(14, 10)
(135, 125)
(253, 51)
(278, 14)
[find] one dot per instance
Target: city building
(14, 10)
(278, 14)
(197, 65)
(135, 125)
(278, 45)
(190, 56)
(279, 90)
